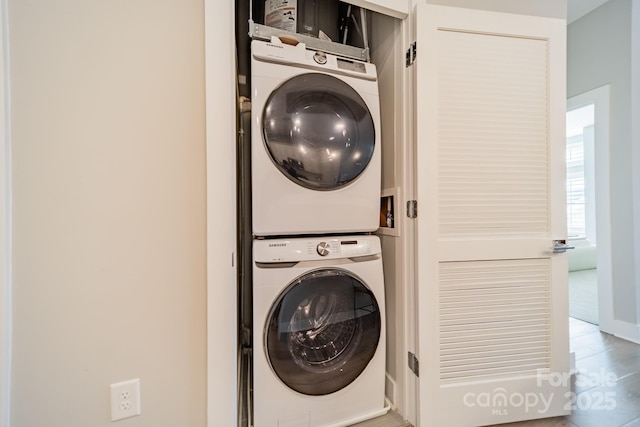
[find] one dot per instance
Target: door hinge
(414, 365)
(412, 209)
(410, 56)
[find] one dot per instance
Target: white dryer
(315, 142)
(318, 331)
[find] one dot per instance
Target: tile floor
(619, 359)
(391, 419)
(595, 352)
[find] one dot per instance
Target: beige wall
(4, 230)
(108, 137)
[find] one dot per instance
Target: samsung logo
(277, 245)
(275, 45)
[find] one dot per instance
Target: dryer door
(322, 331)
(318, 131)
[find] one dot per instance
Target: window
(577, 217)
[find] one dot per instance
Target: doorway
(581, 214)
(588, 208)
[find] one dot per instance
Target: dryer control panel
(314, 248)
(299, 56)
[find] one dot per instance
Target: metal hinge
(411, 54)
(412, 209)
(414, 365)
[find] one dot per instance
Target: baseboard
(390, 389)
(627, 331)
(572, 363)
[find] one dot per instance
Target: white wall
(599, 53)
(547, 8)
(387, 51)
(635, 135)
(108, 136)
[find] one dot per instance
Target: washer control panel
(340, 248)
(310, 249)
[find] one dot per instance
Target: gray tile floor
(608, 375)
(607, 386)
(595, 352)
(391, 419)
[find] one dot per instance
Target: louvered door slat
(489, 312)
(503, 107)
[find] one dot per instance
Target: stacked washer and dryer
(318, 289)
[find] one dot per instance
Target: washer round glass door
(318, 131)
(322, 331)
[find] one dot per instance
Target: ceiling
(578, 8)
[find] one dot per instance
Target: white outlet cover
(125, 399)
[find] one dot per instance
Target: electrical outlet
(125, 399)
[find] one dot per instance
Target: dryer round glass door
(318, 131)
(322, 331)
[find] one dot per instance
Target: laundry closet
(467, 226)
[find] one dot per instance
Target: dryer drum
(322, 331)
(318, 131)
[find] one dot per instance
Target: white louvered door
(492, 295)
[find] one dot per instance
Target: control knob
(320, 57)
(323, 249)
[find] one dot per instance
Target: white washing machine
(318, 331)
(315, 142)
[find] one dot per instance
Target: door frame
(220, 116)
(600, 98)
(409, 225)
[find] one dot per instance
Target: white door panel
(493, 316)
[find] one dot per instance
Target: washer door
(322, 331)
(318, 131)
